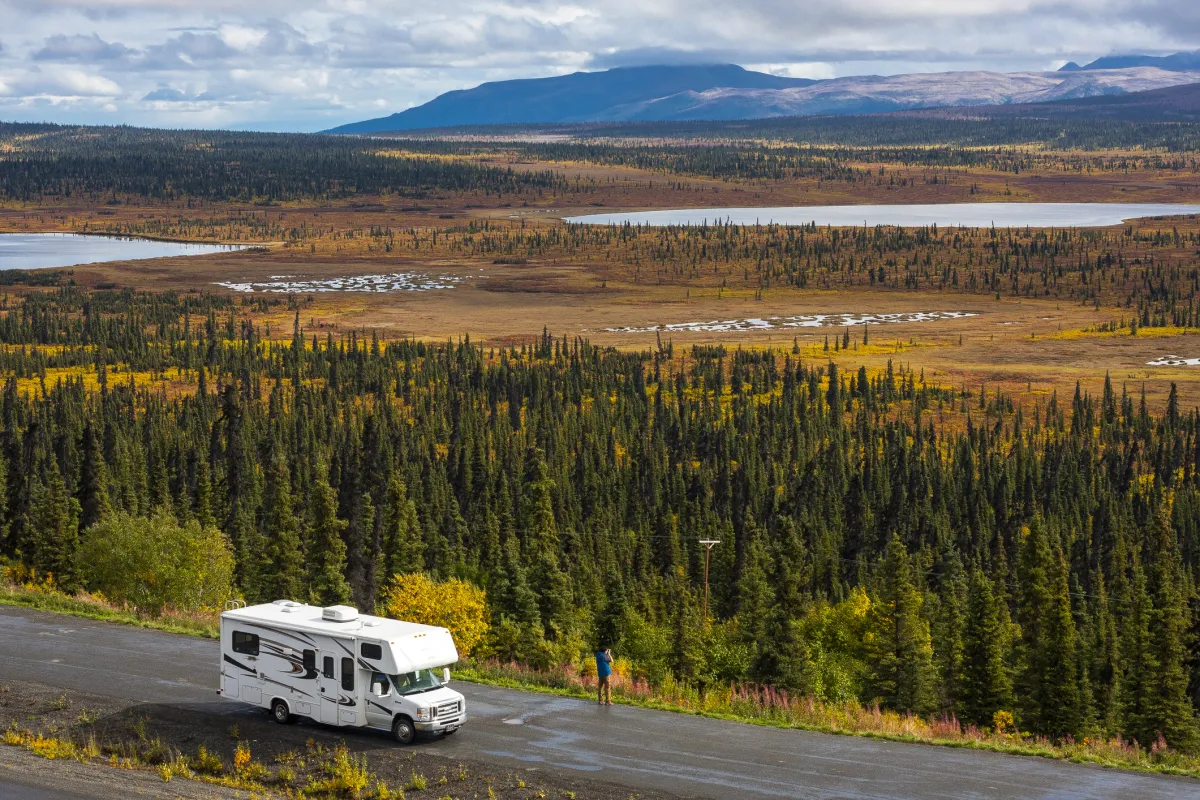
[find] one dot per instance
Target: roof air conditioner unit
(339, 614)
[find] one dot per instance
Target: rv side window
(369, 650)
(310, 661)
(327, 667)
(348, 674)
(245, 643)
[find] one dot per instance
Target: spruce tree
(900, 651)
(93, 481)
(546, 576)
(1168, 712)
(55, 534)
(281, 575)
(326, 548)
(1049, 678)
(984, 682)
(403, 547)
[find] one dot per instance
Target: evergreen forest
(882, 540)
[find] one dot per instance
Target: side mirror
(445, 674)
(377, 689)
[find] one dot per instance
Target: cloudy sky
(312, 64)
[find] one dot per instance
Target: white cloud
(309, 64)
(240, 37)
(84, 84)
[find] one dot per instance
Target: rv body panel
(337, 667)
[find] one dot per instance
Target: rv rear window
(348, 674)
(245, 643)
(369, 650)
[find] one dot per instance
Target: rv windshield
(423, 680)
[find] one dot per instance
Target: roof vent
(339, 614)
(284, 603)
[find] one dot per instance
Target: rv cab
(338, 667)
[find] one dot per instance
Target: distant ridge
(729, 92)
(578, 97)
(1172, 104)
(1177, 62)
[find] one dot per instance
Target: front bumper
(440, 725)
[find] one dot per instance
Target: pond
(45, 250)
(965, 215)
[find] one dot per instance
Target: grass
(43, 598)
(338, 773)
(746, 703)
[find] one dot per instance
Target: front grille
(448, 709)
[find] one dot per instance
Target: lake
(965, 215)
(44, 250)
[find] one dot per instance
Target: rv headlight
(424, 714)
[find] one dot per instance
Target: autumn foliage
(457, 605)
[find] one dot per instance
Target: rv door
(327, 686)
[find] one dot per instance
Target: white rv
(339, 667)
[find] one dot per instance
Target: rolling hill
(578, 97)
(1176, 62)
(1172, 104)
(729, 92)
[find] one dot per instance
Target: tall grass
(17, 589)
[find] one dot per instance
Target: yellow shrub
(241, 757)
(52, 748)
(457, 605)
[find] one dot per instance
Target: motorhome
(338, 667)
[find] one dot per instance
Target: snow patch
(390, 282)
(801, 321)
(1174, 361)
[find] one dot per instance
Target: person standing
(604, 675)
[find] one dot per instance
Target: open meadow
(1052, 310)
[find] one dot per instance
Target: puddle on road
(530, 759)
(389, 282)
(798, 321)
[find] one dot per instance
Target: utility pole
(709, 544)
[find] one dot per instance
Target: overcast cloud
(312, 64)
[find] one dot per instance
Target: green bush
(157, 563)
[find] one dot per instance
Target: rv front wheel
(280, 712)
(403, 730)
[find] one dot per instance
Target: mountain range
(729, 92)
(1177, 62)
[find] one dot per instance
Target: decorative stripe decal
(286, 686)
(240, 666)
(384, 709)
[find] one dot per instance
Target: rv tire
(403, 730)
(280, 712)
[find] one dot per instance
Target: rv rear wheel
(403, 730)
(280, 712)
